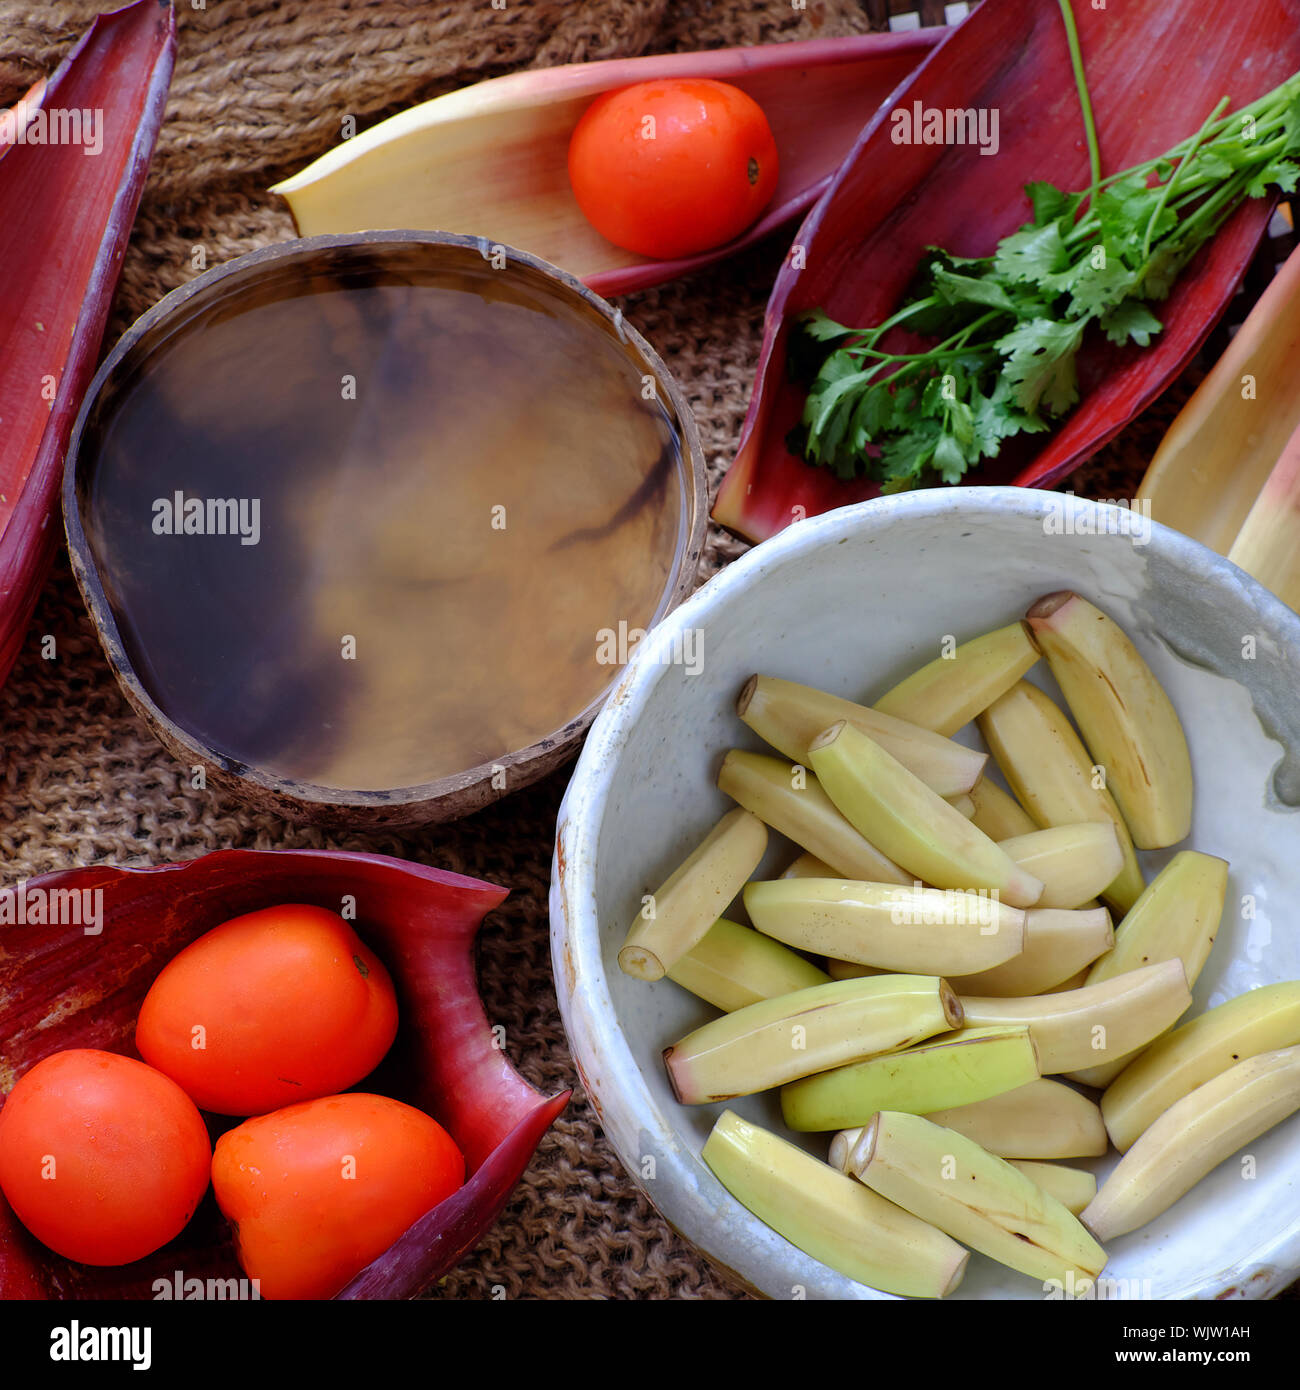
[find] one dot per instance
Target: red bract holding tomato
(673, 167)
(243, 956)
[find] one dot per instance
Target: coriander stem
(1085, 101)
(1172, 181)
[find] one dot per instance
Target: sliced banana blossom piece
(948, 692)
(1127, 721)
(1261, 1020)
(791, 800)
(733, 965)
(910, 822)
(811, 1030)
(830, 1216)
(789, 716)
(1075, 862)
(921, 931)
(955, 1069)
(1192, 1138)
(1060, 943)
(977, 1198)
(694, 896)
(1075, 1027)
(1044, 1119)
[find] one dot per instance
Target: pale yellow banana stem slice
(1261, 1020)
(1074, 1188)
(948, 692)
(1075, 1027)
(1128, 723)
(956, 1069)
(918, 931)
(789, 716)
(1192, 1138)
(850, 969)
(809, 866)
(1060, 943)
(977, 1198)
(829, 1215)
(1053, 776)
(997, 813)
(793, 803)
(909, 822)
(1075, 862)
(963, 803)
(1043, 1120)
(733, 966)
(1176, 917)
(676, 917)
(779, 1040)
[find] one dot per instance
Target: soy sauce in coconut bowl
(360, 518)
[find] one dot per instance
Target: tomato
(318, 1190)
(277, 1006)
(102, 1158)
(672, 167)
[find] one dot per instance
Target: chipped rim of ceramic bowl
(609, 1071)
(458, 793)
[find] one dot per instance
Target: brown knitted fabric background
(260, 88)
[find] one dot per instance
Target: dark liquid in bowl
(457, 490)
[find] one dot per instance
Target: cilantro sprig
(1007, 328)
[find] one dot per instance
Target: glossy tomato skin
(277, 1006)
(102, 1158)
(672, 167)
(316, 1191)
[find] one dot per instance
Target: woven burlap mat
(260, 88)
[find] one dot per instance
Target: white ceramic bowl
(851, 602)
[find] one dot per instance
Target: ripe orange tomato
(102, 1158)
(672, 167)
(318, 1190)
(277, 1006)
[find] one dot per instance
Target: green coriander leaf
(1031, 253)
(1095, 291)
(1130, 320)
(822, 328)
(1040, 364)
(1051, 204)
(949, 459)
(969, 289)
